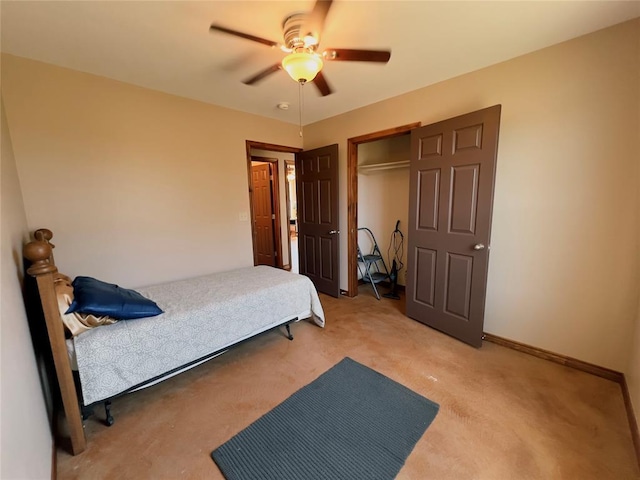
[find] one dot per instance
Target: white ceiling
(167, 45)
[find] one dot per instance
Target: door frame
(250, 144)
(288, 163)
(352, 197)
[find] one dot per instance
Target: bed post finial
(43, 234)
(39, 253)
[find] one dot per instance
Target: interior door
(450, 204)
(263, 230)
(318, 234)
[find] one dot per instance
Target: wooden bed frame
(40, 253)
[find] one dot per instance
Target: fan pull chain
(300, 106)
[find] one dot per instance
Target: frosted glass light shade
(302, 66)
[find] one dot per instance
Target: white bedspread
(202, 315)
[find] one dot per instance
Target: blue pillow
(99, 298)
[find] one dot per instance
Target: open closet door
(450, 205)
(318, 234)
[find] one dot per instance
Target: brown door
(318, 234)
(264, 241)
(450, 203)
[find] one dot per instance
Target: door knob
(333, 232)
(478, 246)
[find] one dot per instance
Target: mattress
(201, 315)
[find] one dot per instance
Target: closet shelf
(375, 167)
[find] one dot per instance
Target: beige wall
(563, 271)
(25, 437)
(383, 199)
(138, 186)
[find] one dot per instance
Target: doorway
(292, 213)
(275, 157)
(265, 202)
(318, 217)
(352, 196)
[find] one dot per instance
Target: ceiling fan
(304, 62)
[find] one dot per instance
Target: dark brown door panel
(263, 227)
(451, 197)
(317, 187)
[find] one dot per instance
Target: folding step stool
(375, 270)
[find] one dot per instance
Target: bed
(202, 317)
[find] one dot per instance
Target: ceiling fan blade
(350, 55)
(264, 73)
(253, 38)
(314, 25)
(322, 85)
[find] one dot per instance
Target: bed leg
(107, 411)
(86, 412)
(289, 336)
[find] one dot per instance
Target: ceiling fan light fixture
(310, 40)
(302, 66)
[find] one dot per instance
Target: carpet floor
(503, 414)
